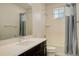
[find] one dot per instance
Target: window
(58, 12)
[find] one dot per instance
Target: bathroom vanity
(38, 50)
(23, 47)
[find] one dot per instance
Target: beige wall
(38, 18)
(9, 20)
(29, 22)
(55, 28)
(78, 23)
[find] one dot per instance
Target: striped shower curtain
(71, 43)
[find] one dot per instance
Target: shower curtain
(71, 43)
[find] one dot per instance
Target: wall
(55, 29)
(77, 23)
(29, 22)
(9, 20)
(38, 19)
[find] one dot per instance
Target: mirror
(15, 20)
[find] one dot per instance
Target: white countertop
(19, 46)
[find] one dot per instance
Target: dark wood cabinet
(39, 50)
